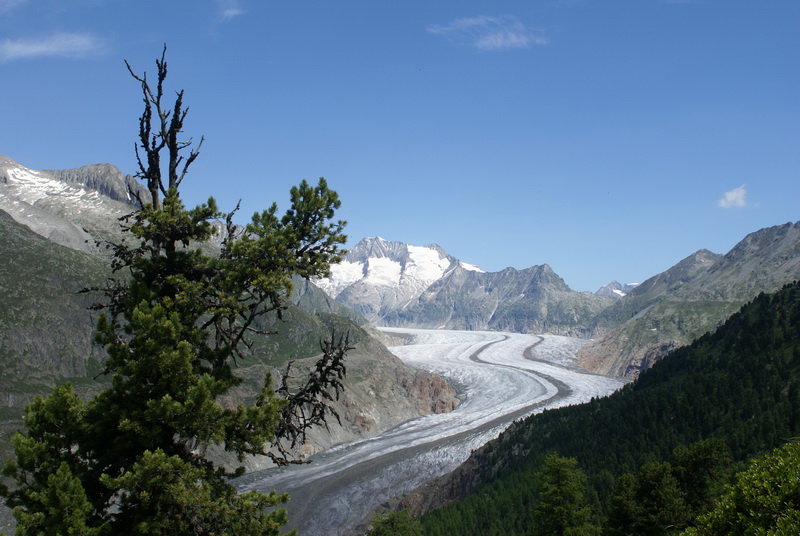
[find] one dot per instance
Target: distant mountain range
(396, 284)
(616, 289)
(632, 326)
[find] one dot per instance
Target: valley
(501, 377)
(469, 332)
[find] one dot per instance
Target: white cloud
(735, 198)
(230, 13)
(229, 9)
(63, 45)
(490, 33)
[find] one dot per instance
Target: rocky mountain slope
(377, 277)
(73, 207)
(396, 284)
(696, 295)
(46, 329)
(616, 289)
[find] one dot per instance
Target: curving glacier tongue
(501, 376)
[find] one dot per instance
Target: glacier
(501, 377)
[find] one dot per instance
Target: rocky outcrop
(430, 393)
(104, 179)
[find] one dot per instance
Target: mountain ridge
(75, 208)
(402, 285)
(398, 284)
(692, 297)
(615, 289)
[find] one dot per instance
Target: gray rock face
(105, 179)
(694, 296)
(378, 277)
(396, 284)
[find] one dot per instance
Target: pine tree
(701, 470)
(399, 523)
(176, 318)
(561, 507)
(648, 502)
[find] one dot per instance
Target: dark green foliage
(171, 496)
(664, 498)
(561, 507)
(764, 500)
(649, 502)
(701, 469)
(131, 459)
(399, 523)
(739, 385)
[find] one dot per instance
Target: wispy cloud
(8, 5)
(736, 198)
(229, 9)
(62, 45)
(490, 33)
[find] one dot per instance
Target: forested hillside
(738, 387)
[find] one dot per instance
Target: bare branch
(310, 405)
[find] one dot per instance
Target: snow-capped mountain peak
(397, 284)
(616, 289)
(32, 186)
(378, 262)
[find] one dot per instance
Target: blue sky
(608, 139)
